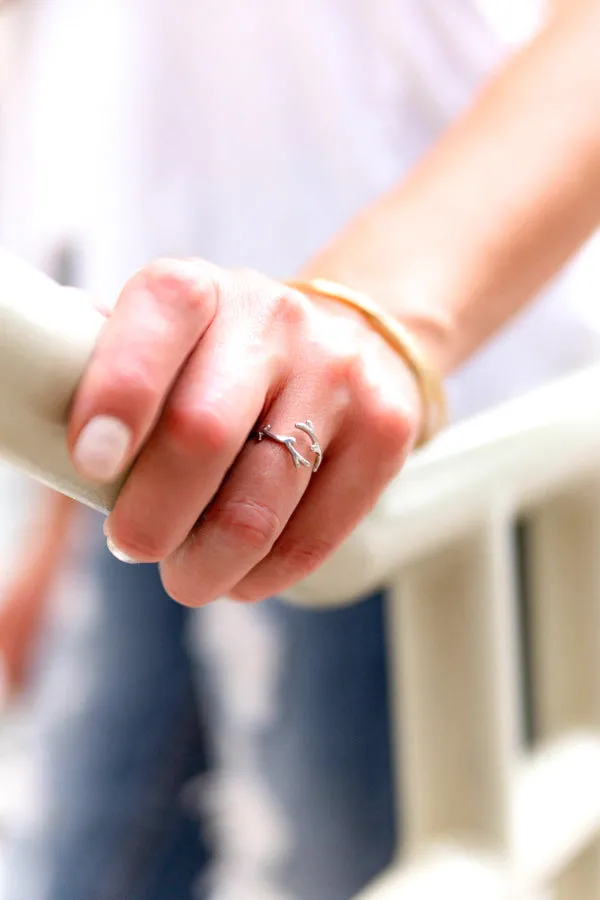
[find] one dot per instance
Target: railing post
(564, 595)
(453, 647)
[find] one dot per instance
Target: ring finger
(252, 507)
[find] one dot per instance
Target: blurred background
(16, 508)
(446, 730)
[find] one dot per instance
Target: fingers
(252, 508)
(211, 411)
(176, 386)
(235, 371)
(352, 478)
(161, 315)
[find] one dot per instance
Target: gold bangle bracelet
(428, 377)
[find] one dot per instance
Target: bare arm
(489, 215)
(24, 599)
(498, 205)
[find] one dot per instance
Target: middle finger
(207, 419)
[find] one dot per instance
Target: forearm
(498, 205)
(45, 545)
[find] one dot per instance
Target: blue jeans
(226, 753)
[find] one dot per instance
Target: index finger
(160, 316)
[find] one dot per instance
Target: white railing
(486, 814)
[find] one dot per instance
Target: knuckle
(177, 586)
(281, 305)
(132, 385)
(182, 284)
(133, 538)
(300, 557)
(186, 429)
(290, 306)
(248, 522)
(345, 363)
(346, 370)
(246, 594)
(392, 426)
(139, 545)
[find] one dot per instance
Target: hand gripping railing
(485, 815)
(47, 335)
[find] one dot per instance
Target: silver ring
(290, 443)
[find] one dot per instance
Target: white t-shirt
(248, 133)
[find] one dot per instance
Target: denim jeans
(231, 753)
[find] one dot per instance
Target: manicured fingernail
(102, 448)
(119, 554)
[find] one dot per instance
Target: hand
(20, 615)
(23, 600)
(194, 360)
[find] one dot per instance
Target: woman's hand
(193, 361)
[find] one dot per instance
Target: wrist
(428, 377)
(419, 300)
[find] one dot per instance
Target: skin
(193, 358)
(25, 594)
(216, 354)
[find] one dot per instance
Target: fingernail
(102, 448)
(119, 554)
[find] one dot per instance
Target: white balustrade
(485, 634)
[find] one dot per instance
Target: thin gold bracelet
(428, 377)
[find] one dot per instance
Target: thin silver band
(290, 443)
